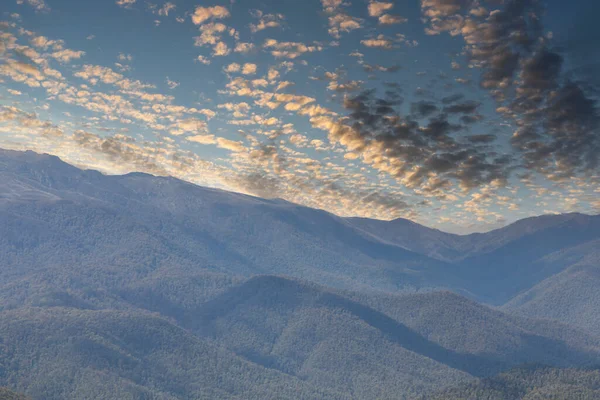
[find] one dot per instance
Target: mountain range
(149, 287)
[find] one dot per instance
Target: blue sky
(458, 114)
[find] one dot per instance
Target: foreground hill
(529, 383)
(466, 327)
(275, 338)
(267, 318)
(7, 394)
(63, 354)
(571, 296)
(328, 340)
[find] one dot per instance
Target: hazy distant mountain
(529, 383)
(110, 223)
(169, 228)
(501, 274)
(454, 248)
(148, 287)
(500, 264)
(418, 238)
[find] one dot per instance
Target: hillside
(328, 340)
(139, 286)
(268, 317)
(455, 248)
(570, 297)
(166, 226)
(498, 265)
(7, 394)
(60, 353)
(138, 227)
(464, 326)
(273, 337)
(529, 383)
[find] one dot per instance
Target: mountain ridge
(235, 233)
(107, 277)
(31, 155)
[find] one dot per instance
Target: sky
(463, 115)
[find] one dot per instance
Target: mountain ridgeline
(146, 287)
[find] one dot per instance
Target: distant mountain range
(147, 287)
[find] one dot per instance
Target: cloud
(171, 84)
(125, 3)
(338, 20)
(22, 72)
(125, 57)
(233, 67)
(423, 109)
(380, 41)
(203, 60)
(557, 120)
(342, 22)
(202, 139)
(211, 35)
(230, 145)
(331, 5)
(202, 14)
(425, 157)
(266, 21)
(379, 68)
(187, 125)
(38, 5)
(166, 9)
(28, 122)
(289, 50)
(243, 47)
(249, 69)
(376, 8)
(388, 19)
(66, 55)
(416, 148)
(239, 110)
(348, 86)
(43, 42)
(95, 73)
(467, 107)
(221, 49)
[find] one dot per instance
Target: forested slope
(529, 383)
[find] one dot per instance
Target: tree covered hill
(529, 383)
(144, 287)
(63, 353)
(7, 394)
(59, 220)
(571, 297)
(274, 337)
